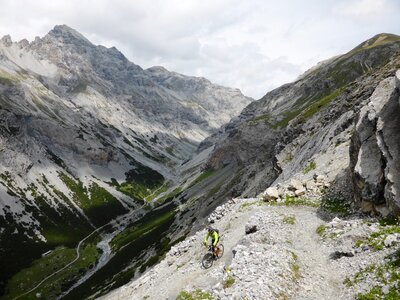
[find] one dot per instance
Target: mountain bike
(210, 256)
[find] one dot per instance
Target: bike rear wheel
(207, 261)
(220, 250)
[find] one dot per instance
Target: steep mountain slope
(87, 136)
(277, 137)
(330, 141)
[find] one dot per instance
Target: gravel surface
(285, 258)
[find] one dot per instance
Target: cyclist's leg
(212, 247)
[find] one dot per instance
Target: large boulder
(271, 193)
(295, 185)
(375, 149)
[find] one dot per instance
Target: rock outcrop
(375, 150)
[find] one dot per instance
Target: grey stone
(251, 228)
(295, 185)
(300, 192)
(385, 289)
(311, 186)
(271, 193)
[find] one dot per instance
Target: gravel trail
(284, 258)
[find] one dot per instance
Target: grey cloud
(254, 45)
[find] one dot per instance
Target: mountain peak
(6, 40)
(67, 34)
(378, 40)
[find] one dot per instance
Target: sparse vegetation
(141, 183)
(229, 281)
(143, 227)
(289, 220)
(256, 120)
(376, 239)
(287, 117)
(283, 296)
(321, 230)
(295, 201)
(7, 78)
(319, 104)
(194, 295)
(170, 196)
(99, 205)
(288, 157)
(385, 274)
(288, 201)
(202, 177)
(245, 205)
(338, 206)
(170, 151)
(215, 189)
(311, 166)
(295, 268)
(80, 87)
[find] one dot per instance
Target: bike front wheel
(207, 261)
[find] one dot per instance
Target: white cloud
(254, 45)
(363, 8)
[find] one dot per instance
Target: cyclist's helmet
(210, 229)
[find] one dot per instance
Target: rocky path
(271, 252)
(320, 279)
(283, 259)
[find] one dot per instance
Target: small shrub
(311, 166)
(288, 158)
(289, 220)
(337, 206)
(321, 230)
(295, 270)
(229, 282)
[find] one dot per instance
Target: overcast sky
(254, 45)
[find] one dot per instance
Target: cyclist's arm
(206, 239)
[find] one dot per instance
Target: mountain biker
(214, 235)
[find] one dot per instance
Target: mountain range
(117, 163)
(87, 135)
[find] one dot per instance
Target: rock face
(68, 103)
(307, 124)
(375, 149)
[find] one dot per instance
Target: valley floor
(293, 254)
